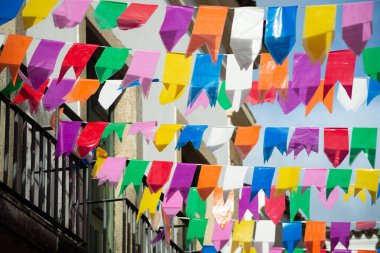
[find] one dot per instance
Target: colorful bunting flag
(275, 137)
(291, 101)
(299, 201)
(287, 179)
(280, 31)
(373, 90)
(316, 177)
(319, 31)
(336, 145)
(134, 174)
(110, 61)
(10, 88)
(262, 180)
(53, 97)
(176, 22)
(165, 134)
(208, 30)
(340, 67)
(340, 232)
(111, 170)
(254, 98)
(142, 70)
(33, 96)
(90, 137)
(357, 25)
(208, 180)
(291, 235)
(70, 13)
(9, 10)
(315, 235)
(275, 206)
(147, 129)
(246, 139)
(77, 57)
(351, 192)
(218, 136)
(36, 10)
(109, 93)
(107, 12)
(221, 236)
(248, 204)
(242, 235)
(158, 175)
(196, 230)
(149, 201)
(338, 178)
(370, 62)
(328, 101)
(221, 210)
(328, 203)
(367, 179)
(363, 139)
(67, 136)
(304, 138)
(208, 249)
(265, 234)
(101, 156)
(82, 91)
(205, 77)
(223, 99)
(193, 134)
(182, 179)
(246, 37)
(118, 128)
(43, 61)
(358, 97)
(195, 204)
(234, 177)
(172, 205)
(136, 15)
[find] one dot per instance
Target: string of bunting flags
(336, 140)
(306, 86)
(183, 193)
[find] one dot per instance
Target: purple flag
(357, 25)
(306, 77)
(342, 251)
(67, 136)
(42, 63)
(70, 13)
(221, 236)
(175, 25)
(290, 102)
(111, 170)
(340, 232)
(142, 69)
(182, 179)
(245, 203)
(54, 95)
(304, 138)
(147, 128)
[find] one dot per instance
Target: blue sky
(271, 115)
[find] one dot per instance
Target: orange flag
(13, 53)
(272, 75)
(208, 180)
(315, 236)
(246, 139)
(328, 101)
(82, 90)
(208, 30)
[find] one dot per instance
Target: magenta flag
(306, 77)
(70, 13)
(182, 179)
(42, 63)
(221, 236)
(67, 136)
(340, 232)
(304, 138)
(245, 204)
(357, 25)
(290, 102)
(54, 95)
(175, 25)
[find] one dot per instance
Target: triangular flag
(196, 230)
(82, 91)
(340, 232)
(304, 138)
(291, 235)
(299, 201)
(221, 236)
(246, 139)
(275, 137)
(262, 180)
(110, 61)
(218, 136)
(36, 10)
(363, 139)
(165, 134)
(367, 179)
(275, 206)
(149, 201)
(134, 174)
(67, 135)
(136, 15)
(90, 137)
(221, 210)
(193, 134)
(246, 204)
(336, 145)
(315, 235)
(243, 235)
(158, 175)
(70, 13)
(107, 12)
(208, 179)
(195, 204)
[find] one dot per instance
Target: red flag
(336, 145)
(158, 175)
(136, 15)
(275, 206)
(33, 96)
(90, 137)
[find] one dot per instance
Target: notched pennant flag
(280, 31)
(33, 96)
(146, 128)
(149, 201)
(117, 128)
(181, 181)
(208, 180)
(111, 170)
(101, 155)
(340, 232)
(336, 145)
(357, 25)
(290, 102)
(275, 137)
(246, 139)
(218, 136)
(36, 10)
(67, 136)
(195, 205)
(291, 235)
(70, 13)
(107, 12)
(193, 134)
(110, 61)
(299, 200)
(136, 15)
(221, 236)
(373, 90)
(248, 204)
(208, 30)
(53, 97)
(77, 57)
(90, 137)
(165, 134)
(134, 174)
(367, 179)
(158, 175)
(175, 25)
(363, 139)
(262, 180)
(304, 138)
(327, 101)
(315, 235)
(275, 206)
(196, 230)
(358, 97)
(9, 10)
(242, 235)
(287, 179)
(109, 93)
(338, 178)
(82, 91)
(371, 62)
(221, 210)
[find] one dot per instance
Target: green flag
(299, 201)
(107, 12)
(10, 88)
(340, 178)
(195, 204)
(296, 250)
(371, 63)
(134, 174)
(363, 139)
(196, 229)
(110, 62)
(223, 100)
(118, 128)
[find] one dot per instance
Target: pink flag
(111, 170)
(70, 13)
(221, 236)
(148, 129)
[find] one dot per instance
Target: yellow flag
(367, 179)
(361, 194)
(287, 179)
(319, 31)
(101, 156)
(149, 201)
(165, 134)
(242, 235)
(36, 10)
(176, 76)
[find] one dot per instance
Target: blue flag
(205, 77)
(208, 249)
(291, 235)
(280, 31)
(275, 137)
(373, 90)
(9, 10)
(262, 180)
(193, 134)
